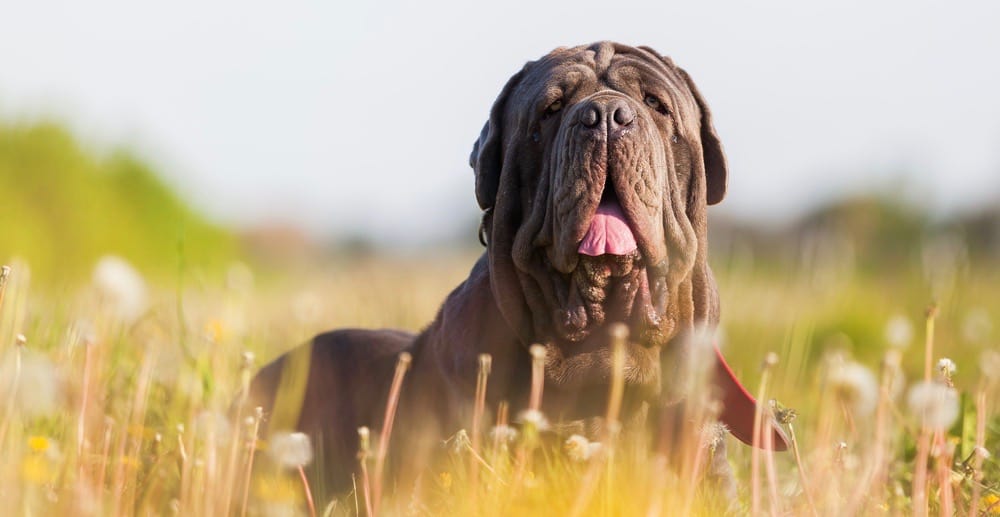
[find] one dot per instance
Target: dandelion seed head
(38, 390)
(212, 425)
(485, 363)
(504, 433)
(934, 405)
(534, 418)
(899, 331)
(83, 330)
(855, 386)
(307, 307)
(946, 368)
(783, 414)
(713, 435)
(121, 287)
(290, 450)
(989, 364)
(576, 447)
(364, 441)
(247, 359)
(460, 442)
(977, 327)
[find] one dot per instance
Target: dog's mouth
(612, 282)
(609, 232)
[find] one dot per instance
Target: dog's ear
(716, 169)
(486, 158)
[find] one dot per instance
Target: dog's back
(327, 389)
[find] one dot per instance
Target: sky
(358, 117)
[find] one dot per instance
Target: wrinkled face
(599, 206)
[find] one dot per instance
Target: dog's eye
(553, 108)
(655, 103)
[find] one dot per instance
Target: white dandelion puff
(503, 433)
(290, 450)
(35, 386)
(989, 364)
(82, 332)
(212, 424)
(121, 287)
(460, 442)
(247, 360)
(534, 418)
(946, 367)
(855, 386)
(977, 326)
(307, 307)
(935, 405)
(713, 435)
(899, 331)
(894, 378)
(580, 449)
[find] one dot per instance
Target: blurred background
(189, 189)
(198, 134)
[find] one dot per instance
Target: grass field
(114, 397)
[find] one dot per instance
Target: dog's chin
(607, 289)
(588, 364)
(611, 289)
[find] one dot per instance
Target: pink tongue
(609, 233)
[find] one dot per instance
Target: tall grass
(107, 414)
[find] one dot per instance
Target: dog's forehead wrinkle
(604, 51)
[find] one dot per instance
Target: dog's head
(595, 169)
(594, 172)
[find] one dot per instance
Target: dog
(594, 173)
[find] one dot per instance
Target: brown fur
(539, 177)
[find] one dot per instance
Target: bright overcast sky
(359, 116)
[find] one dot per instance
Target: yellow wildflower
(991, 504)
(38, 443)
(215, 330)
(276, 489)
(36, 469)
(444, 479)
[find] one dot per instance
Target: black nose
(615, 113)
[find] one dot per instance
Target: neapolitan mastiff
(594, 173)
